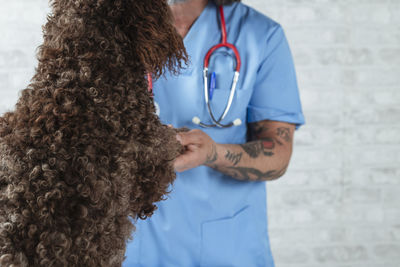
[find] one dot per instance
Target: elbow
(283, 166)
(279, 170)
(276, 174)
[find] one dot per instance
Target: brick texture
(337, 206)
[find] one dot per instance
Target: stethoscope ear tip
(237, 122)
(196, 120)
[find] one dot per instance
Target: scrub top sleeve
(275, 95)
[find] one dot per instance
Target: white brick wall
(20, 35)
(338, 204)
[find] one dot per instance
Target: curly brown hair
(83, 150)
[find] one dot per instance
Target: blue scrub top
(210, 219)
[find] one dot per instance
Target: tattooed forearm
(264, 146)
(252, 149)
(264, 157)
(233, 157)
(284, 133)
(252, 174)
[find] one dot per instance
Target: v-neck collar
(197, 23)
(200, 38)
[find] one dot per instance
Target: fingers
(191, 137)
(197, 144)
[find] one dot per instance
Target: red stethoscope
(208, 90)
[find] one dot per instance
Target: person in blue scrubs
(216, 212)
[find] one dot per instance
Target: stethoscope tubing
(224, 43)
(227, 107)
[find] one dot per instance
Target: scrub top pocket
(218, 249)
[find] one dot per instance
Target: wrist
(212, 155)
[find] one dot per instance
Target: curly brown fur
(83, 149)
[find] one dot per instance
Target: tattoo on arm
(262, 142)
(252, 174)
(233, 157)
(267, 145)
(256, 148)
(257, 175)
(211, 158)
(252, 149)
(284, 133)
(257, 131)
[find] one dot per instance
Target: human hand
(199, 149)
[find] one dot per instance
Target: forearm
(265, 158)
(260, 160)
